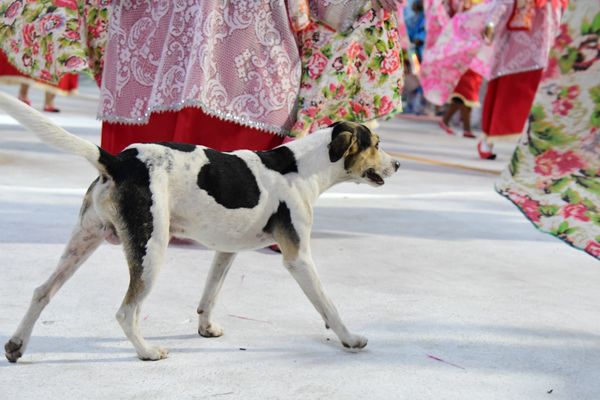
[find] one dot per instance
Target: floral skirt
(47, 39)
(67, 85)
(356, 76)
(554, 174)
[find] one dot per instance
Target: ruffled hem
(222, 115)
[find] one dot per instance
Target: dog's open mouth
(373, 176)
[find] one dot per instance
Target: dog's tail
(53, 134)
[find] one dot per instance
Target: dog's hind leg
(86, 237)
(299, 263)
(145, 236)
(214, 282)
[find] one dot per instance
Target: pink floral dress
(50, 38)
(356, 76)
(554, 174)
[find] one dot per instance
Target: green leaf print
(381, 46)
(549, 210)
(558, 185)
(571, 196)
(515, 162)
(566, 62)
(592, 185)
(596, 24)
(551, 133)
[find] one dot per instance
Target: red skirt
(468, 87)
(508, 102)
(190, 125)
(9, 74)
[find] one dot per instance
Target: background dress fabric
(47, 39)
(460, 45)
(220, 74)
(236, 60)
(355, 76)
(9, 74)
(554, 174)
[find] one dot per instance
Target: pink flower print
(561, 106)
(338, 65)
(51, 22)
(593, 248)
(12, 11)
(14, 46)
(554, 163)
(354, 50)
(575, 211)
(29, 34)
(72, 35)
(342, 112)
(391, 62)
(545, 162)
(312, 111)
(27, 60)
(35, 48)
(72, 4)
(552, 70)
(573, 92)
(75, 62)
(325, 121)
(45, 75)
(563, 39)
(386, 106)
(531, 208)
(316, 64)
(569, 162)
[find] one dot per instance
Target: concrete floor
(459, 295)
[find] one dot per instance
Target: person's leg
(465, 115)
(24, 94)
(49, 102)
(452, 108)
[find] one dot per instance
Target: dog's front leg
(214, 282)
(303, 270)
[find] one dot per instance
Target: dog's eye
(377, 145)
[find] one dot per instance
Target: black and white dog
(228, 202)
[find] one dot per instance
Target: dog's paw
(153, 354)
(12, 349)
(355, 343)
(210, 330)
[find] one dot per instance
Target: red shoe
(445, 127)
(51, 109)
(485, 155)
(25, 100)
(469, 134)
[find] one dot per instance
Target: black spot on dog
(361, 132)
(134, 200)
(280, 159)
(185, 147)
(228, 180)
(281, 221)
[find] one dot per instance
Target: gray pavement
(459, 295)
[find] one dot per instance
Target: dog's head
(364, 161)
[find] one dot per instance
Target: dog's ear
(341, 145)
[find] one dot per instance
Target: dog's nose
(396, 165)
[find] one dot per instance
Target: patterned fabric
(49, 38)
(461, 45)
(237, 60)
(554, 174)
(356, 76)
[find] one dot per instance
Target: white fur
(180, 208)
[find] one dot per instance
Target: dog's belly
(225, 231)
